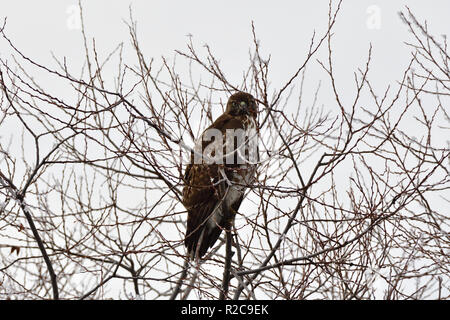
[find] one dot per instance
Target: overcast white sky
(284, 28)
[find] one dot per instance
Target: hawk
(221, 167)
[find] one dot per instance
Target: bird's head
(242, 103)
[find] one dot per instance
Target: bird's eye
(243, 104)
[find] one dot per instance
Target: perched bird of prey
(222, 166)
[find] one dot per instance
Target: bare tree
(351, 199)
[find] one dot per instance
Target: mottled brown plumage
(213, 192)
